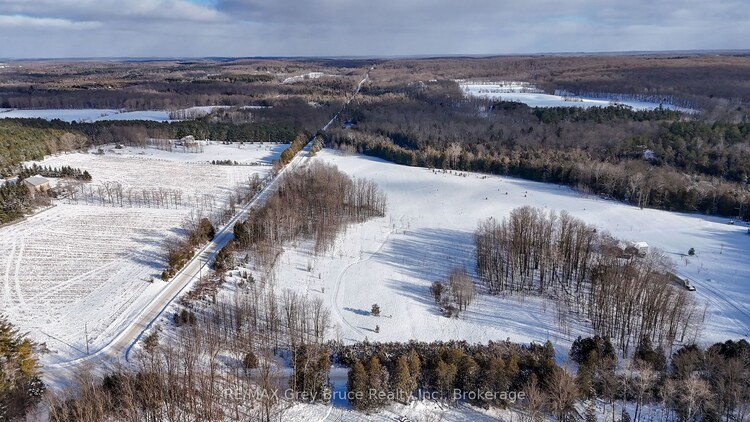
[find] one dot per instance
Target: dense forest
(493, 374)
(412, 112)
(659, 158)
(20, 142)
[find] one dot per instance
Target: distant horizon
(697, 52)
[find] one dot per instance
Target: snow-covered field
(96, 115)
(529, 95)
(190, 172)
(306, 76)
(393, 260)
(77, 270)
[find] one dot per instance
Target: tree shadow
(416, 292)
(274, 153)
(424, 256)
(358, 311)
(429, 254)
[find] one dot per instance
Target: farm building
(639, 248)
(37, 183)
(186, 140)
(627, 249)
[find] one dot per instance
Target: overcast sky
(182, 28)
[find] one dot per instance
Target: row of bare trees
(631, 298)
(534, 250)
(115, 194)
(625, 296)
(314, 202)
(224, 362)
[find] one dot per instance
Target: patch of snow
(300, 78)
(528, 94)
(96, 115)
(244, 153)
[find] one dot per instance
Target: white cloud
(348, 27)
(113, 10)
(17, 21)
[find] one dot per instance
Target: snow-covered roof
(640, 244)
(36, 180)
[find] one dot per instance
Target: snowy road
(119, 348)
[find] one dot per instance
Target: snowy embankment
(83, 270)
(528, 94)
(428, 231)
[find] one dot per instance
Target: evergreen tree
(21, 387)
(377, 384)
(404, 383)
(250, 361)
(445, 377)
(241, 235)
(415, 366)
(468, 374)
(357, 387)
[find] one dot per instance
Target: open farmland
(533, 97)
(191, 173)
(428, 231)
(97, 115)
(81, 269)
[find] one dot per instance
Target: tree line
(694, 383)
(180, 251)
(312, 202)
(624, 295)
(634, 181)
(495, 374)
(64, 172)
(653, 158)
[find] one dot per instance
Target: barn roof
(36, 180)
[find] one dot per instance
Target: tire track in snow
(722, 303)
(336, 306)
(81, 277)
(8, 265)
(732, 303)
(16, 279)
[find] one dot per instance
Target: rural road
(119, 348)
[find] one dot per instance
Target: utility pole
(86, 333)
